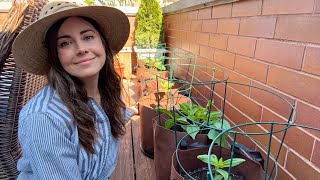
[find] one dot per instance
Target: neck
(91, 86)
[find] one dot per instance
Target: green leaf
(214, 115)
(223, 173)
(183, 120)
(235, 162)
(212, 134)
(169, 123)
(214, 160)
(192, 130)
(218, 177)
(167, 112)
(203, 158)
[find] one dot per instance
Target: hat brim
(28, 48)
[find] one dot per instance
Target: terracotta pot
(165, 141)
(147, 113)
(250, 170)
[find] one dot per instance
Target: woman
(71, 128)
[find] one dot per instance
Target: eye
(88, 37)
(64, 44)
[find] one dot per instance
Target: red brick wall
(274, 44)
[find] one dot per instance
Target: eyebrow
(81, 32)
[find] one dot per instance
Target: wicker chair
(16, 85)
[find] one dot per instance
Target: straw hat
(29, 50)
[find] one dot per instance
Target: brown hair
(73, 94)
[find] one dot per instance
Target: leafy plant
(166, 85)
(156, 63)
(149, 20)
(89, 2)
(220, 164)
(200, 119)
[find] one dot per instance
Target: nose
(82, 49)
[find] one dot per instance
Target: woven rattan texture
(16, 88)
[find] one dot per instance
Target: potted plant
(242, 167)
(190, 120)
(194, 118)
(149, 19)
(147, 110)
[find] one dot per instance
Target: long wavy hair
(73, 94)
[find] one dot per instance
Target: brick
(269, 116)
(258, 26)
(317, 6)
(186, 25)
(218, 41)
(276, 104)
(192, 15)
(308, 116)
(316, 155)
(183, 35)
(222, 11)
(234, 115)
(220, 90)
(246, 105)
(203, 38)
(184, 16)
(247, 8)
(205, 13)
(294, 83)
(206, 52)
(287, 6)
(251, 69)
(242, 45)
(194, 48)
(311, 62)
(209, 26)
(238, 78)
(217, 102)
(295, 138)
(300, 168)
(283, 174)
(280, 53)
(299, 141)
(192, 37)
(264, 139)
(228, 26)
(196, 25)
(224, 58)
(298, 28)
(185, 45)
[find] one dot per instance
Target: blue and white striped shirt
(50, 143)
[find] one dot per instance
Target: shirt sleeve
(52, 154)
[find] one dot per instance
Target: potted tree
(148, 32)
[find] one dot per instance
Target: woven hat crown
(55, 6)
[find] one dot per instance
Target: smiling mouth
(84, 60)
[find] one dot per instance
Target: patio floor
(132, 163)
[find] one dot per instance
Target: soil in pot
(201, 174)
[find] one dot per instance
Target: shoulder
(44, 107)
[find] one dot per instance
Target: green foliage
(89, 2)
(220, 173)
(149, 20)
(156, 63)
(166, 85)
(200, 115)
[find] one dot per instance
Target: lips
(84, 60)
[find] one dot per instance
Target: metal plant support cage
(267, 136)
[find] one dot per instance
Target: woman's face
(80, 48)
